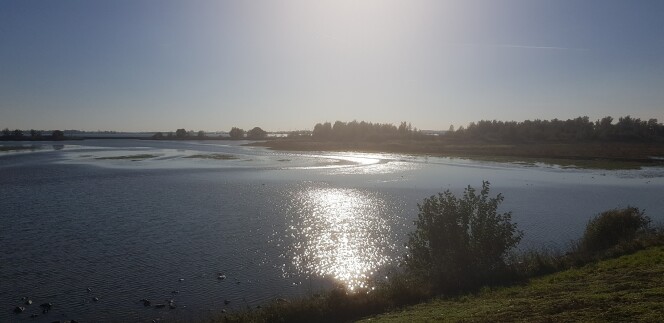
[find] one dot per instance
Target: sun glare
(341, 234)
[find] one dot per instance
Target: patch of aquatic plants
(18, 148)
(212, 156)
(128, 157)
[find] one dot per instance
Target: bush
(461, 243)
(256, 133)
(537, 262)
(613, 227)
(236, 133)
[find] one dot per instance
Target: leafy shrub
(461, 243)
(613, 227)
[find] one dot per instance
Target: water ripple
(342, 233)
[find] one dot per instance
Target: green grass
(212, 156)
(626, 289)
(128, 157)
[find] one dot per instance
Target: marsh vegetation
(212, 156)
(128, 157)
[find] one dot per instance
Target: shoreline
(593, 155)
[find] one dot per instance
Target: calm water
(275, 224)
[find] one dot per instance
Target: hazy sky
(285, 65)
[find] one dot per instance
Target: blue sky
(283, 65)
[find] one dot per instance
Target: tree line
(571, 130)
(235, 133)
(363, 130)
(255, 133)
(555, 130)
(19, 135)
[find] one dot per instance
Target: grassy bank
(626, 289)
(589, 279)
(600, 155)
(629, 288)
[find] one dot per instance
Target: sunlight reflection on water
(341, 233)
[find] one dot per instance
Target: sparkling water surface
(136, 219)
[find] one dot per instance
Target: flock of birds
(46, 307)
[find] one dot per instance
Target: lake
(216, 225)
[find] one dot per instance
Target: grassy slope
(629, 288)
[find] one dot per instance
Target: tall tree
(256, 133)
(236, 133)
(181, 133)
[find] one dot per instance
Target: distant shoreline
(602, 155)
(592, 154)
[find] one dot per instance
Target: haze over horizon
(286, 65)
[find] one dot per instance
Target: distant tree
(405, 128)
(34, 133)
(18, 133)
(181, 133)
(158, 136)
(612, 227)
(169, 135)
(324, 130)
(236, 133)
(338, 129)
(460, 243)
(318, 130)
(604, 128)
(652, 127)
(256, 133)
(200, 134)
(57, 135)
(451, 129)
(6, 132)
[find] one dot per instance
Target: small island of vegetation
(129, 157)
(212, 156)
(627, 143)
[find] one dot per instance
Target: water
(276, 224)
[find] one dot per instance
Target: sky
(148, 65)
